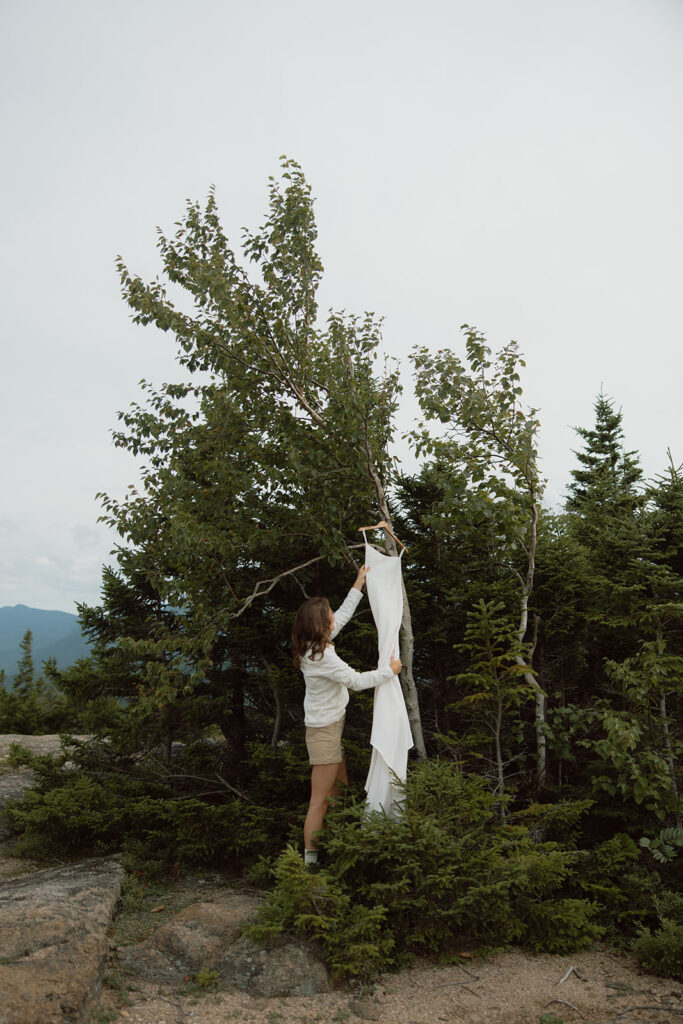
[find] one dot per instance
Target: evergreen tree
(606, 511)
(23, 680)
(626, 615)
(20, 710)
(496, 681)
(605, 485)
(665, 525)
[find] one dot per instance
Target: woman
(328, 681)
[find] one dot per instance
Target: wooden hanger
(384, 526)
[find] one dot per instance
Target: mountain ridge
(55, 634)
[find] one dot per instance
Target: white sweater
(328, 679)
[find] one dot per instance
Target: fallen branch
(472, 991)
(471, 974)
(571, 970)
(565, 1003)
(669, 1009)
(460, 984)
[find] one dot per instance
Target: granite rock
(208, 936)
(53, 941)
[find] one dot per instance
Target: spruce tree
(606, 509)
(606, 483)
(23, 680)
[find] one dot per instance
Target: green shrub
(440, 871)
(352, 937)
(205, 978)
(560, 926)
(560, 822)
(669, 906)
(446, 873)
(661, 953)
(610, 875)
(106, 803)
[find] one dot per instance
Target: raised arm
(346, 610)
(350, 603)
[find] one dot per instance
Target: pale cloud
(86, 536)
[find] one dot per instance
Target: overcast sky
(514, 166)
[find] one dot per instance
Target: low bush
(92, 799)
(661, 952)
(613, 878)
(353, 938)
(447, 873)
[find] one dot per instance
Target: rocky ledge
(208, 937)
(53, 942)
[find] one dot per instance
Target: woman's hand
(396, 665)
(360, 578)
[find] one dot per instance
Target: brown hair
(311, 628)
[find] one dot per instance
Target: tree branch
(264, 587)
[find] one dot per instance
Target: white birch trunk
(527, 585)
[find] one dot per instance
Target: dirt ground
(513, 987)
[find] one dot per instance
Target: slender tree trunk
(499, 761)
(670, 756)
(407, 678)
(527, 585)
(278, 718)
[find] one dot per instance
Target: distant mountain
(55, 635)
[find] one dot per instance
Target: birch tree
(487, 436)
(260, 466)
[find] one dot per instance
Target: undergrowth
(447, 875)
(443, 876)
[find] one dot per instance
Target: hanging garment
(391, 737)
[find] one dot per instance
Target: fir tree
(606, 517)
(23, 680)
(607, 481)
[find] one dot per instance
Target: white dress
(391, 737)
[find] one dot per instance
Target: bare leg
(323, 785)
(342, 777)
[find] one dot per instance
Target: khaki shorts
(324, 743)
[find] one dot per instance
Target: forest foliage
(33, 704)
(543, 649)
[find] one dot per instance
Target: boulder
(208, 936)
(50, 743)
(288, 968)
(13, 784)
(12, 787)
(198, 935)
(53, 941)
